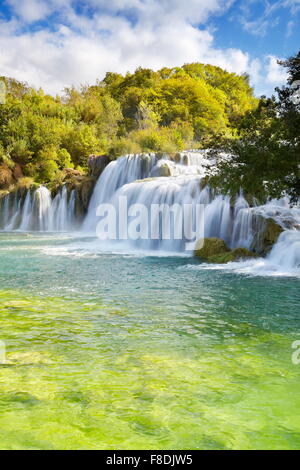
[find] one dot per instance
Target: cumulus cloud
(75, 46)
(276, 75)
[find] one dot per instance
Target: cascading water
(150, 180)
(37, 211)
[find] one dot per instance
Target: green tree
(265, 159)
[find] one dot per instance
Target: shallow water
(122, 351)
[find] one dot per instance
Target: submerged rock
(215, 250)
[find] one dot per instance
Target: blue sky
(58, 43)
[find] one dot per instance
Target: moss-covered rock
(233, 255)
(211, 247)
(215, 250)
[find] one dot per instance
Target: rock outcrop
(83, 186)
(266, 232)
(233, 255)
(211, 247)
(97, 163)
(215, 250)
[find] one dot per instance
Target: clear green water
(108, 351)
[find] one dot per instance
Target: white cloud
(117, 36)
(276, 74)
(268, 75)
(30, 10)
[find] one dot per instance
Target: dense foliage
(168, 110)
(266, 155)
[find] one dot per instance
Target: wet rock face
(97, 163)
(83, 195)
(83, 186)
(162, 170)
(266, 233)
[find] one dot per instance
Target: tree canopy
(167, 110)
(265, 155)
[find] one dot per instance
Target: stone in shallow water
(211, 247)
(215, 250)
(234, 255)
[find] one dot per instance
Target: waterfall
(16, 213)
(286, 252)
(27, 213)
(117, 174)
(37, 211)
(149, 180)
(166, 183)
(42, 203)
(242, 235)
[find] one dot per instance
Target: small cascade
(71, 211)
(5, 211)
(27, 213)
(286, 252)
(42, 205)
(37, 211)
(218, 219)
(242, 234)
(58, 212)
(15, 217)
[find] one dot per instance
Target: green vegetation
(168, 110)
(194, 106)
(266, 153)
